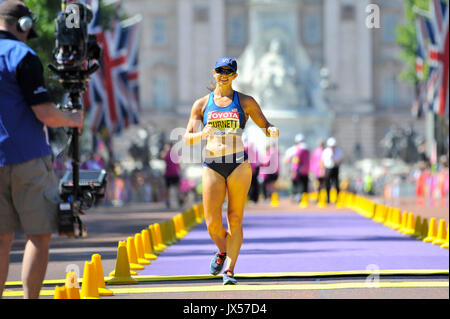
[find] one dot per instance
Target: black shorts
(172, 180)
(225, 165)
(271, 178)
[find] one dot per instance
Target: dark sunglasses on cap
(224, 71)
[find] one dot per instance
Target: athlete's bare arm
(192, 135)
(252, 108)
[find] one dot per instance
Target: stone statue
(279, 74)
(401, 143)
(276, 70)
(274, 80)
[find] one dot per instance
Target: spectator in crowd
(300, 169)
(332, 158)
(423, 153)
(317, 165)
(443, 176)
(291, 150)
(172, 173)
(288, 155)
(94, 162)
(269, 171)
(368, 184)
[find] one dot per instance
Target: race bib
(224, 122)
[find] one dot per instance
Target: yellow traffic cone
(89, 286)
(177, 227)
(410, 225)
(383, 213)
(132, 255)
(176, 222)
(156, 230)
(122, 274)
(188, 219)
(181, 226)
(166, 236)
(102, 291)
(140, 250)
(154, 240)
(304, 201)
(172, 231)
(322, 202)
(198, 216)
(132, 272)
(404, 223)
(431, 231)
(445, 245)
(333, 195)
(441, 235)
(417, 227)
(377, 216)
(397, 220)
(72, 286)
(148, 250)
(423, 229)
(60, 292)
(389, 215)
(274, 201)
(341, 200)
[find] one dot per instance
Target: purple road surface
(306, 242)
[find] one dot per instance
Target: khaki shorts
(29, 197)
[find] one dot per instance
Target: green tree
(46, 12)
(406, 38)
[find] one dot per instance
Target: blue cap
(226, 61)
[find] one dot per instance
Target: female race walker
(224, 113)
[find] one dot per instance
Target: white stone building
(181, 40)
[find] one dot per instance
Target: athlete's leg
(214, 190)
(238, 184)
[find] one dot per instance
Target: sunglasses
(224, 71)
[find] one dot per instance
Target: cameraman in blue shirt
(28, 184)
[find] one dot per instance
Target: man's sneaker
(228, 278)
(217, 263)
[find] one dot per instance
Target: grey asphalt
(108, 225)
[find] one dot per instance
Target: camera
(74, 46)
(74, 54)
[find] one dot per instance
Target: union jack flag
(132, 72)
(125, 74)
(425, 39)
(112, 96)
(433, 31)
(440, 22)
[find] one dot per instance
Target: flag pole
(430, 116)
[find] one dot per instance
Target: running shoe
(217, 263)
(228, 278)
